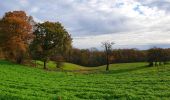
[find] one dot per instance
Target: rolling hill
(123, 81)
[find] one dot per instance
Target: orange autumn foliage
(15, 33)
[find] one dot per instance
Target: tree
(86, 57)
(107, 49)
(58, 59)
(129, 55)
(157, 56)
(166, 56)
(50, 38)
(15, 33)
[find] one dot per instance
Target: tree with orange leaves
(15, 33)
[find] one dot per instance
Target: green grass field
(133, 81)
(65, 66)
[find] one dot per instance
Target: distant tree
(151, 57)
(108, 50)
(50, 38)
(157, 56)
(94, 57)
(129, 55)
(76, 56)
(86, 57)
(166, 56)
(15, 34)
(58, 59)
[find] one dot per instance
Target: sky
(140, 24)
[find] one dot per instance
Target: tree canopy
(50, 38)
(15, 33)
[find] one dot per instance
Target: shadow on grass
(116, 71)
(5, 62)
(87, 71)
(10, 97)
(125, 70)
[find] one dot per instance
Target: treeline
(158, 56)
(86, 57)
(93, 57)
(21, 39)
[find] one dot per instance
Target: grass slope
(65, 66)
(123, 81)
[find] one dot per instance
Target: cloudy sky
(129, 23)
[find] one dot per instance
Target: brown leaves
(15, 32)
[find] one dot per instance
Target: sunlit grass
(124, 81)
(65, 66)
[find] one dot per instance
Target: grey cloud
(95, 25)
(160, 4)
(76, 21)
(81, 18)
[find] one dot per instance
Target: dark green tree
(157, 56)
(50, 38)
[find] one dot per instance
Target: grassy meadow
(132, 81)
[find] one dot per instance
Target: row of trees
(22, 38)
(158, 56)
(93, 57)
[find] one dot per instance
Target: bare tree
(107, 49)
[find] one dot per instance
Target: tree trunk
(107, 58)
(45, 65)
(107, 67)
(19, 59)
